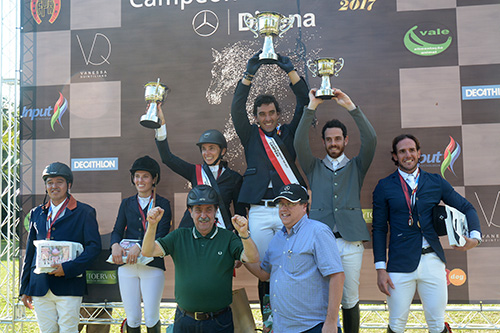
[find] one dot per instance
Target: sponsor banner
(87, 69)
(481, 92)
(94, 164)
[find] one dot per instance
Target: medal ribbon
(410, 199)
(150, 205)
(50, 220)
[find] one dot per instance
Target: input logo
(451, 154)
(427, 39)
(59, 109)
(40, 8)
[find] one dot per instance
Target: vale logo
(427, 39)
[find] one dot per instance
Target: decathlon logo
(205, 23)
(427, 39)
(94, 164)
(481, 92)
(451, 154)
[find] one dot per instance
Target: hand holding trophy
(155, 92)
(325, 67)
(268, 24)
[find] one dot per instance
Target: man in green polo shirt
(204, 258)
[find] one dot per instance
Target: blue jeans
(223, 323)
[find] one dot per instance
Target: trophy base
(325, 93)
(268, 58)
(150, 123)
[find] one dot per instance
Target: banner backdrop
(430, 68)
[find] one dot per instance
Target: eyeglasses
(287, 204)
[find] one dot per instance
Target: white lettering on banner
(308, 20)
(37, 113)
(92, 164)
(481, 92)
(160, 3)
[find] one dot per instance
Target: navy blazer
(229, 183)
(259, 168)
(390, 213)
(78, 224)
(128, 223)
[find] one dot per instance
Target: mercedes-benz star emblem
(205, 23)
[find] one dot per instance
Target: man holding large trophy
(269, 151)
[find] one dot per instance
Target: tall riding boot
(263, 288)
(156, 328)
(350, 319)
(133, 329)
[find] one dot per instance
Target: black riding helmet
(58, 169)
(148, 164)
(215, 137)
(202, 195)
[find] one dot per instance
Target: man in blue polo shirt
(204, 258)
(304, 268)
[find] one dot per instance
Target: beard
(335, 154)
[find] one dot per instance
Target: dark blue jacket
(259, 168)
(128, 223)
(78, 224)
(390, 213)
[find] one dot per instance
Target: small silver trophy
(155, 92)
(268, 24)
(325, 67)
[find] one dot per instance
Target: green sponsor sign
(368, 215)
(102, 277)
(425, 42)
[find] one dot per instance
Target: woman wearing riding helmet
(213, 172)
(136, 279)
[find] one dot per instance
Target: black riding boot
(156, 328)
(350, 319)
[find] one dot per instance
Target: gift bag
(242, 314)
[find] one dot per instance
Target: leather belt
(203, 315)
(426, 250)
(266, 202)
(337, 234)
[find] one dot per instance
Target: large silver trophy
(268, 24)
(155, 92)
(325, 67)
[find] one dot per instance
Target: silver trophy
(155, 92)
(325, 67)
(268, 24)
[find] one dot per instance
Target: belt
(337, 234)
(266, 202)
(426, 250)
(204, 315)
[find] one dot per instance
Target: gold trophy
(268, 24)
(325, 67)
(155, 92)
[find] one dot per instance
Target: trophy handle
(313, 67)
(285, 24)
(251, 23)
(340, 63)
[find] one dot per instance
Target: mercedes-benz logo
(205, 23)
